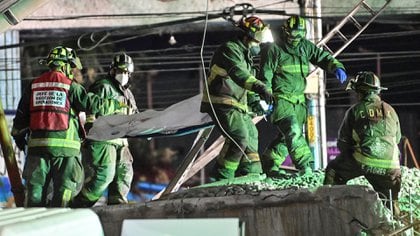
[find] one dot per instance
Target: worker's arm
(21, 122)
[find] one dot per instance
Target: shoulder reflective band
(250, 82)
(216, 71)
(50, 84)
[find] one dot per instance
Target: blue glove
(341, 75)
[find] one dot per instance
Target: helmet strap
(67, 70)
(364, 93)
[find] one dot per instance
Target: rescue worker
(48, 114)
(108, 164)
(368, 141)
(231, 80)
(284, 68)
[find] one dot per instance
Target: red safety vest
(50, 104)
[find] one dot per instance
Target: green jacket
(231, 77)
(284, 69)
(371, 132)
(107, 87)
(59, 143)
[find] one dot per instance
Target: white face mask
(122, 78)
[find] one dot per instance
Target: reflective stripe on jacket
(70, 141)
(371, 129)
(107, 87)
(225, 101)
(284, 69)
(376, 162)
(231, 76)
(65, 143)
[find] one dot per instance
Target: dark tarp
(179, 119)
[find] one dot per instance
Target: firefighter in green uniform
(368, 141)
(108, 164)
(284, 68)
(48, 114)
(225, 99)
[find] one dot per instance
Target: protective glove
(257, 108)
(268, 108)
(264, 93)
(267, 96)
(341, 75)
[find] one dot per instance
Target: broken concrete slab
(336, 210)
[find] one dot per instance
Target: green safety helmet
(59, 56)
(255, 28)
(364, 82)
(123, 62)
(294, 30)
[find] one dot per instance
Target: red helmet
(256, 29)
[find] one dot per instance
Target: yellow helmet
(294, 30)
(60, 55)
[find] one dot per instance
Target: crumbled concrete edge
(348, 205)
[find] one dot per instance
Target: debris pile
(409, 199)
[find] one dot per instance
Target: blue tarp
(5, 192)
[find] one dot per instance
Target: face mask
(293, 42)
(264, 36)
(254, 48)
(122, 78)
(294, 37)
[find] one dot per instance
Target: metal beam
(13, 12)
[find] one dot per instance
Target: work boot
(329, 178)
(220, 173)
(304, 170)
(307, 170)
(246, 168)
(278, 174)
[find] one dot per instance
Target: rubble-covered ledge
(328, 210)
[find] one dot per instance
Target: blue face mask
(254, 48)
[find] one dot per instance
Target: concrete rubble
(336, 210)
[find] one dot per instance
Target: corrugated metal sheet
(49, 221)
